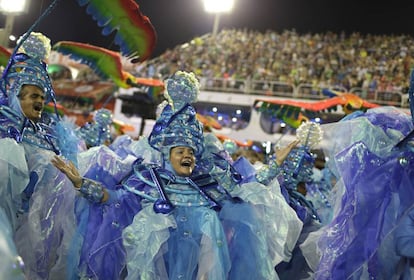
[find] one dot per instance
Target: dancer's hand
(282, 153)
(69, 169)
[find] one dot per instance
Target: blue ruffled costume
(374, 194)
(193, 239)
(36, 198)
(158, 225)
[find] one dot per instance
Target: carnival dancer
(374, 192)
(294, 174)
(37, 200)
(185, 215)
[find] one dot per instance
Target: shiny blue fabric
(126, 237)
(375, 188)
(404, 244)
(37, 198)
(99, 233)
(370, 211)
(11, 265)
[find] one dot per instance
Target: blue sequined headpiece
(27, 67)
(98, 132)
(298, 166)
(178, 125)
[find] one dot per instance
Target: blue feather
(107, 30)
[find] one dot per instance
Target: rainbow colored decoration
(135, 35)
(294, 112)
(106, 63)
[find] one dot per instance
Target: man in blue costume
(36, 198)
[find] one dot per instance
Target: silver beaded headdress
(178, 125)
(298, 166)
(27, 67)
(98, 132)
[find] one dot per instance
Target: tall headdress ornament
(298, 166)
(178, 125)
(98, 132)
(27, 65)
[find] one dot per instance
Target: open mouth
(186, 163)
(37, 107)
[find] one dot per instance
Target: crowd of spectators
(369, 62)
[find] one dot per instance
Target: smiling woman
(183, 211)
(182, 160)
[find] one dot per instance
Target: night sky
(179, 21)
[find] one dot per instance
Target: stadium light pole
(10, 8)
(217, 7)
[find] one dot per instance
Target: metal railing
(301, 91)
